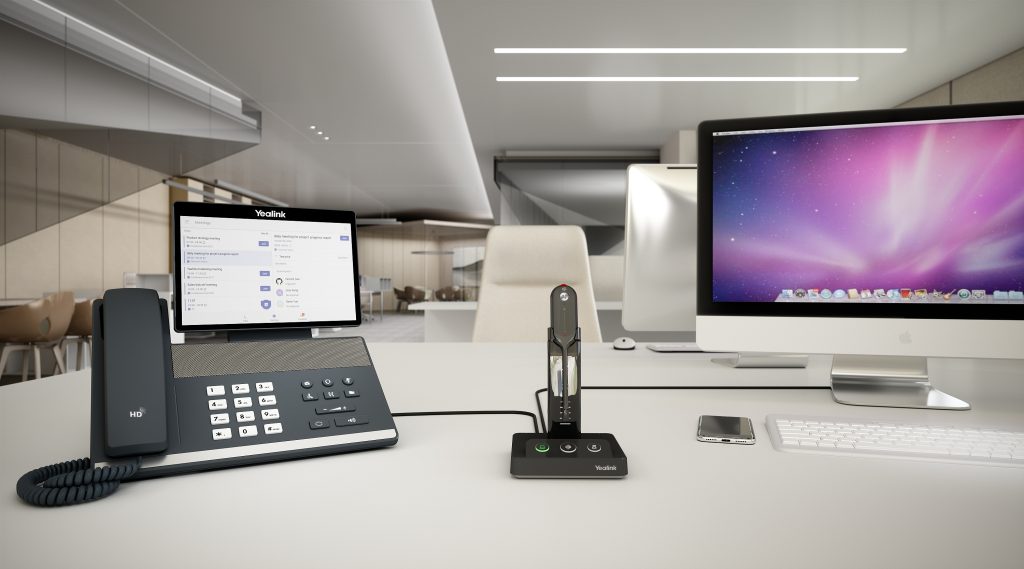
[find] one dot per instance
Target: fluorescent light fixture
(739, 79)
(131, 47)
(696, 50)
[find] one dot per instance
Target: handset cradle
(565, 451)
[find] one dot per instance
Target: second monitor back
(660, 285)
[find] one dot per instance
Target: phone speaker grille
(204, 360)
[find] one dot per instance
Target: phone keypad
(266, 400)
(246, 415)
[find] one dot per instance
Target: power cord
(540, 408)
(536, 424)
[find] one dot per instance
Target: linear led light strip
(747, 79)
(139, 51)
(695, 50)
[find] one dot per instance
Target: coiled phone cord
(72, 482)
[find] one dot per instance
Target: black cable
(72, 482)
(536, 428)
(540, 410)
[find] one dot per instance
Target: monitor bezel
(705, 204)
(243, 211)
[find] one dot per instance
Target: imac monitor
(885, 234)
(659, 290)
(241, 267)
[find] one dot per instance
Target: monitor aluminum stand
(888, 381)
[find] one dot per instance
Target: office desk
(443, 496)
(453, 321)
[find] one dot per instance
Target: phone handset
(131, 370)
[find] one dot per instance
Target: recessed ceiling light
(745, 79)
(319, 132)
(695, 50)
(327, 138)
(312, 127)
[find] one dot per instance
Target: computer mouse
(624, 343)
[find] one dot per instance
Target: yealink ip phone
(270, 392)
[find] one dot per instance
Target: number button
(240, 388)
(265, 387)
(269, 414)
(221, 434)
(243, 402)
(219, 419)
(245, 416)
(217, 404)
(272, 428)
(214, 390)
(268, 400)
(248, 431)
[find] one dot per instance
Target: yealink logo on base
(606, 467)
(137, 414)
(262, 213)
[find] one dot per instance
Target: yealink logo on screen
(262, 213)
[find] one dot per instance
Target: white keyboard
(859, 437)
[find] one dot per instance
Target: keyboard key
(214, 390)
(265, 387)
(351, 393)
(217, 404)
(268, 400)
(240, 388)
(243, 402)
(350, 421)
(221, 434)
(310, 396)
(319, 424)
(219, 419)
(335, 409)
(272, 428)
(245, 416)
(248, 431)
(270, 414)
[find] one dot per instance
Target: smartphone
(718, 429)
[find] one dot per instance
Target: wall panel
(120, 240)
(154, 230)
(20, 169)
(81, 175)
(33, 264)
(47, 182)
(81, 252)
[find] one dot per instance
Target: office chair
(38, 324)
(523, 263)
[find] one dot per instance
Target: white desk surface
(471, 305)
(443, 496)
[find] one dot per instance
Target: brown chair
(449, 294)
(415, 294)
(400, 298)
(80, 333)
(38, 324)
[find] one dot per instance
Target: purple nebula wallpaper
(935, 206)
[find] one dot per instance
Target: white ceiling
(944, 39)
(372, 74)
(397, 100)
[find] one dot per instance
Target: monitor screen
(251, 267)
(857, 214)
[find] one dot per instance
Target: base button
(567, 447)
(542, 447)
(594, 447)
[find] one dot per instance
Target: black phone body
(724, 429)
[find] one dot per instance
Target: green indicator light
(542, 447)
